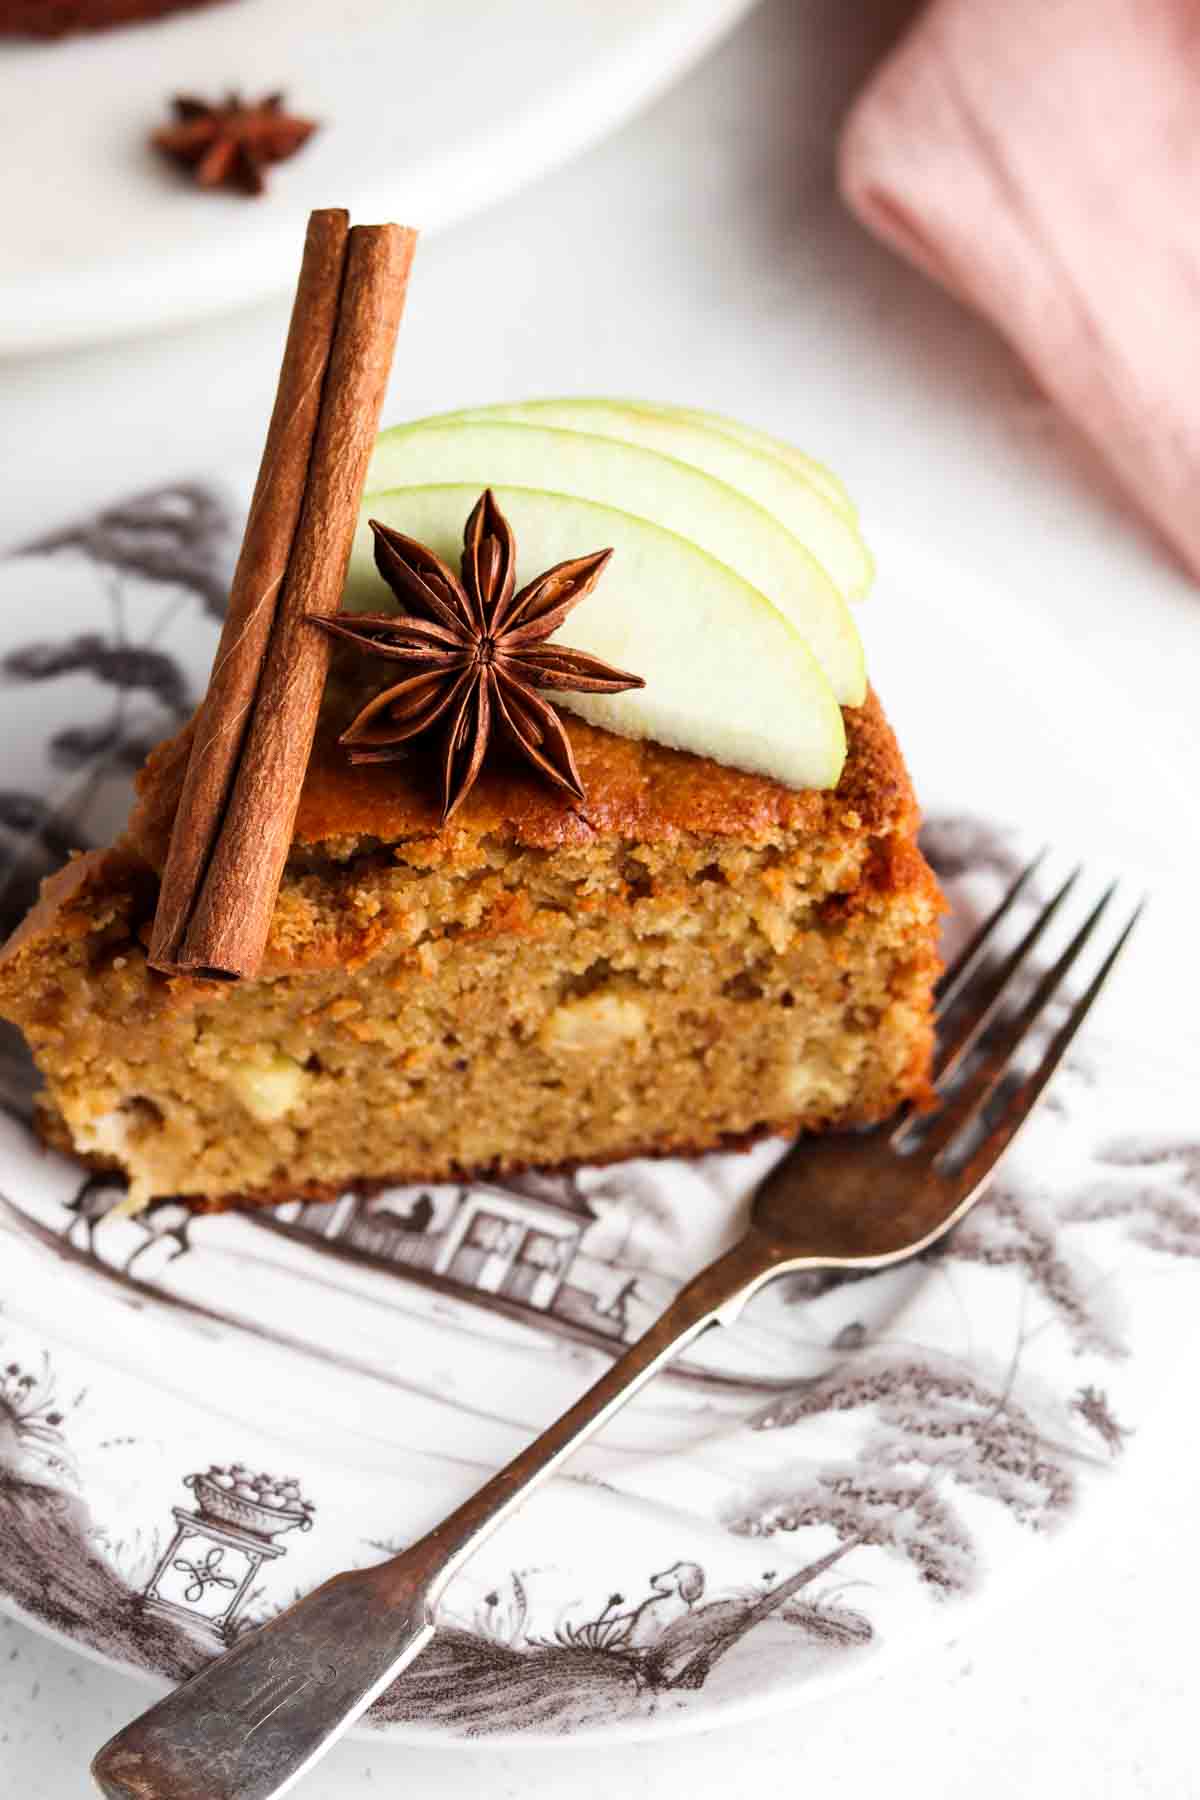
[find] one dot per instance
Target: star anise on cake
(474, 653)
(228, 143)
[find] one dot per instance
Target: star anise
(475, 654)
(229, 143)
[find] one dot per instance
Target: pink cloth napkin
(1041, 159)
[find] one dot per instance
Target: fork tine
(1027, 1095)
(953, 1047)
(955, 978)
(946, 1125)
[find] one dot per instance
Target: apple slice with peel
(710, 514)
(812, 470)
(772, 482)
(727, 675)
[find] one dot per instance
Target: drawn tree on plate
(1014, 1228)
(128, 671)
(935, 1427)
(932, 1427)
(175, 541)
(1151, 1184)
(1148, 1184)
(180, 535)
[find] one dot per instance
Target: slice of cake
(570, 834)
(710, 957)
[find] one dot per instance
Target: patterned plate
(201, 1418)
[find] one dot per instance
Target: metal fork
(252, 1722)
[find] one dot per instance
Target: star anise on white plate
(229, 143)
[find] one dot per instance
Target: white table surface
(701, 255)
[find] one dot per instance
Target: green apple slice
(814, 471)
(820, 476)
(710, 514)
(727, 675)
(772, 482)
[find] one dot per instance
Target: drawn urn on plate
(203, 1579)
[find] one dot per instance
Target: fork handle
(253, 1721)
(714, 1297)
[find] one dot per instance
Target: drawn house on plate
(518, 1251)
(507, 1244)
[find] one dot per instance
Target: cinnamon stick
(224, 714)
(255, 731)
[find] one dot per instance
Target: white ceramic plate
(430, 110)
(854, 1466)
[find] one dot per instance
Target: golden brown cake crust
(636, 789)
